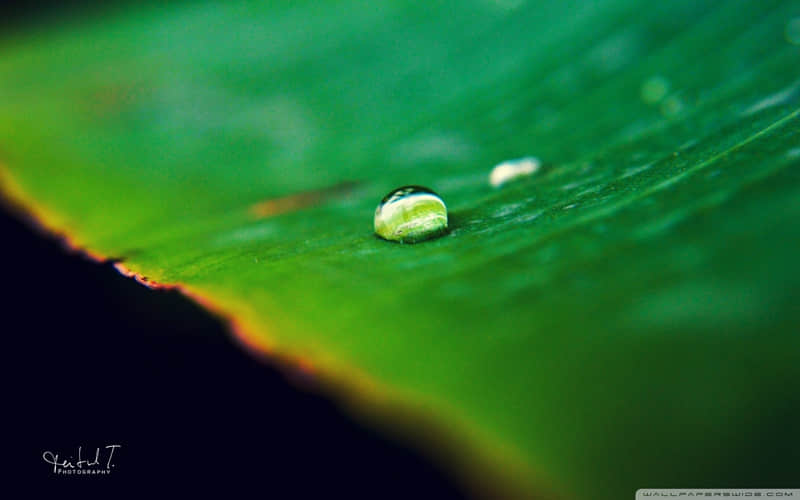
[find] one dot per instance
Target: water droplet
(410, 214)
(654, 89)
(793, 31)
(510, 170)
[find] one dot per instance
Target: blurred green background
(625, 318)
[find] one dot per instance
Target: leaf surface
(624, 318)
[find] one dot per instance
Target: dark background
(92, 358)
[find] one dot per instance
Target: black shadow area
(94, 359)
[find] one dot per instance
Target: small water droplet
(654, 89)
(410, 214)
(510, 170)
(792, 31)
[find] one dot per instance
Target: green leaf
(624, 318)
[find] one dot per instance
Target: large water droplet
(510, 170)
(411, 214)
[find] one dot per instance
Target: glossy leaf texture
(624, 318)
